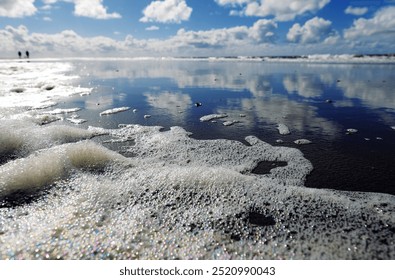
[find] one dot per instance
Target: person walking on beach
(27, 54)
(20, 54)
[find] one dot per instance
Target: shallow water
(109, 159)
(317, 101)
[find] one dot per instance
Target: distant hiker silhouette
(27, 54)
(20, 54)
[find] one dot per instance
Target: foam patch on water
(210, 117)
(283, 129)
(36, 84)
(229, 123)
(114, 111)
(60, 111)
(76, 120)
(302, 141)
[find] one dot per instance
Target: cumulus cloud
(85, 8)
(65, 43)
(261, 32)
(313, 31)
(167, 11)
(93, 9)
(284, 10)
(17, 8)
(381, 25)
(239, 40)
(356, 11)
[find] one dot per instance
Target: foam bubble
(210, 117)
(283, 129)
(114, 111)
(302, 141)
(352, 130)
(229, 123)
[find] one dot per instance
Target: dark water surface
(317, 101)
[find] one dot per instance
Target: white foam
(352, 130)
(210, 117)
(76, 120)
(181, 198)
(21, 137)
(36, 83)
(283, 129)
(114, 111)
(44, 168)
(229, 123)
(60, 111)
(302, 141)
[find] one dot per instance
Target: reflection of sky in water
(267, 93)
(271, 92)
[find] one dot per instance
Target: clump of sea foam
(183, 198)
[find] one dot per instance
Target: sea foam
(23, 137)
(49, 165)
(181, 198)
(37, 84)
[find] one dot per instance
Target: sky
(131, 28)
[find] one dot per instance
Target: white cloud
(284, 10)
(93, 9)
(356, 11)
(47, 19)
(152, 28)
(239, 40)
(66, 43)
(17, 8)
(313, 31)
(381, 25)
(261, 32)
(167, 11)
(85, 8)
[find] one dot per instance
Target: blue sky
(196, 27)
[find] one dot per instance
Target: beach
(197, 158)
